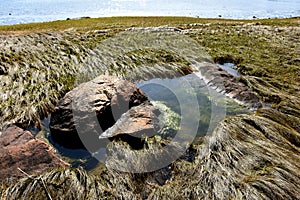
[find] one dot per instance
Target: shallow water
(198, 107)
(230, 68)
(192, 99)
(27, 11)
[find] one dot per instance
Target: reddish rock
(19, 149)
(14, 136)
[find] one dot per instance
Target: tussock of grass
(36, 76)
(247, 157)
(59, 184)
(98, 184)
(147, 63)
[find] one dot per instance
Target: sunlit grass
(40, 63)
(248, 156)
(123, 22)
(267, 52)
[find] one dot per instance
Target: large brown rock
(19, 150)
(90, 109)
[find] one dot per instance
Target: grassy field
(250, 156)
(122, 22)
(41, 59)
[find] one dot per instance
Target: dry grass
(247, 157)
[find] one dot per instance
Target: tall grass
(247, 157)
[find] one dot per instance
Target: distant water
(27, 11)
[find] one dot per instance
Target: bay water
(29, 11)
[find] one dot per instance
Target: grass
(266, 52)
(248, 156)
(36, 73)
(122, 22)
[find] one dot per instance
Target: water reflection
(230, 68)
(213, 107)
(176, 98)
(26, 11)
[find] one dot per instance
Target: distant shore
(33, 11)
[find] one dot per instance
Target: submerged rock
(229, 85)
(88, 110)
(19, 150)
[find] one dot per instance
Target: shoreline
(122, 23)
(220, 17)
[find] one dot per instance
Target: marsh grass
(38, 69)
(107, 183)
(247, 157)
(42, 62)
(125, 22)
(33, 82)
(265, 49)
(145, 64)
(241, 160)
(254, 156)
